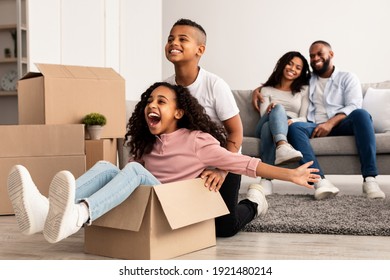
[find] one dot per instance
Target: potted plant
(94, 123)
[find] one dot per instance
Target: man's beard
(323, 69)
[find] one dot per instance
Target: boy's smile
(184, 43)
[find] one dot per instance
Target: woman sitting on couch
(285, 100)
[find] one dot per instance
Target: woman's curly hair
(141, 140)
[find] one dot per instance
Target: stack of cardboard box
(50, 136)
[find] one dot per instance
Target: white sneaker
(256, 194)
(267, 186)
(325, 189)
(65, 216)
(371, 188)
(286, 153)
(30, 206)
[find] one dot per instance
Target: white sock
(83, 212)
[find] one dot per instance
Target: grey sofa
(337, 155)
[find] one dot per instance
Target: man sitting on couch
(335, 109)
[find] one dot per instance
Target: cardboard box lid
(183, 203)
(74, 72)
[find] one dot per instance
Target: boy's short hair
(188, 22)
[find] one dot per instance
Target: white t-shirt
(321, 115)
(214, 94)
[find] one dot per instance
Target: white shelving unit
(14, 39)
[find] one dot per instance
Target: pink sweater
(184, 154)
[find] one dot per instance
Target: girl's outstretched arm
(302, 175)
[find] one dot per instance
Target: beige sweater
(296, 105)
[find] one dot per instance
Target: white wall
(122, 34)
(246, 37)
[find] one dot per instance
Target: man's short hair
(322, 43)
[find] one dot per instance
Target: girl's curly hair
(138, 136)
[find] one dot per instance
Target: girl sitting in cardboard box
(171, 138)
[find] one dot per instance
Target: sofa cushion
(331, 145)
(377, 103)
(365, 86)
(345, 145)
(251, 146)
(249, 116)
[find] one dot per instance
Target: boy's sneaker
(65, 217)
(267, 186)
(325, 189)
(371, 188)
(255, 194)
(30, 206)
(286, 153)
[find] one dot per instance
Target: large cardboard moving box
(62, 94)
(44, 150)
(103, 149)
(158, 222)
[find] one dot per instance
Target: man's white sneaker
(267, 186)
(286, 153)
(325, 189)
(255, 194)
(30, 206)
(371, 188)
(65, 217)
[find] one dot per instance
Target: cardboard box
(42, 170)
(41, 140)
(44, 150)
(63, 94)
(103, 149)
(158, 222)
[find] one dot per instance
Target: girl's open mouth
(153, 119)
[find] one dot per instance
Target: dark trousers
(240, 213)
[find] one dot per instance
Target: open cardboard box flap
(183, 203)
(129, 214)
(189, 202)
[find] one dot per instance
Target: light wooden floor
(243, 246)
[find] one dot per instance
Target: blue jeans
(104, 186)
(358, 123)
(272, 128)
